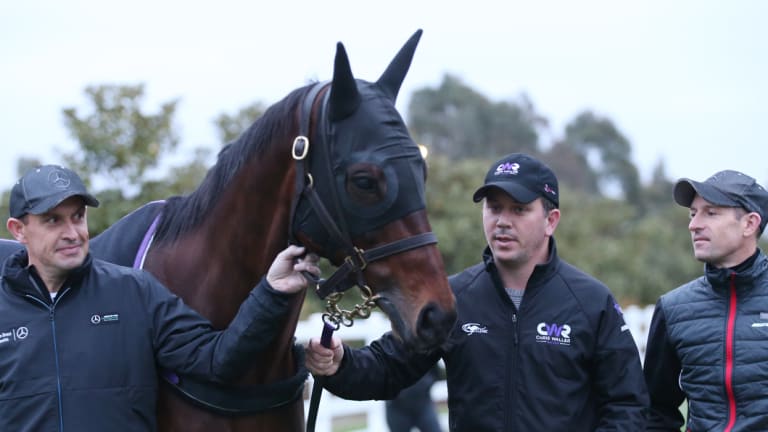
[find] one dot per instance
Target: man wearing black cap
(538, 344)
(81, 339)
(708, 340)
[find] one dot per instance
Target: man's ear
(752, 225)
(553, 218)
(16, 228)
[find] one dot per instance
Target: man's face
(718, 234)
(57, 241)
(517, 233)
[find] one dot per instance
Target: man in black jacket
(708, 340)
(81, 340)
(538, 345)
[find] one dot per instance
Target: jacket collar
(24, 279)
(541, 273)
(743, 274)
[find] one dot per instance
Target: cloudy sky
(684, 80)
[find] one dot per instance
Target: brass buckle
(360, 259)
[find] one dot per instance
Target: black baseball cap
(727, 189)
(523, 177)
(45, 187)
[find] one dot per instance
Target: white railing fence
(334, 410)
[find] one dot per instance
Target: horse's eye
(364, 182)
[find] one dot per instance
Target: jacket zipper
(729, 336)
(512, 373)
(52, 318)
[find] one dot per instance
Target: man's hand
(321, 360)
(285, 272)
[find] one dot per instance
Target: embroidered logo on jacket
(472, 328)
(13, 335)
(554, 334)
(104, 319)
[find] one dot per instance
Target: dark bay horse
(331, 166)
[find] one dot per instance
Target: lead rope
(317, 387)
(334, 318)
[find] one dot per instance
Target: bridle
(356, 259)
(351, 271)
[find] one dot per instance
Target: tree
(458, 122)
(637, 258)
(117, 139)
(231, 126)
(455, 218)
(572, 168)
(658, 192)
(589, 134)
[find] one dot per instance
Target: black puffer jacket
(564, 362)
(88, 361)
(710, 336)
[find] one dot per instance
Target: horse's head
(363, 203)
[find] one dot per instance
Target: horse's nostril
(434, 324)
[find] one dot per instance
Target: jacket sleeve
(618, 375)
(662, 372)
(379, 370)
(187, 343)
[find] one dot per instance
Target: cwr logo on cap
(59, 179)
(507, 168)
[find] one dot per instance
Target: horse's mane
(183, 213)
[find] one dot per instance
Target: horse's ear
(392, 78)
(344, 95)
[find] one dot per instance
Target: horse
(331, 166)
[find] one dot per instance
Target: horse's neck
(214, 266)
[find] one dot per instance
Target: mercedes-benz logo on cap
(59, 179)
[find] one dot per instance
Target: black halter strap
(300, 151)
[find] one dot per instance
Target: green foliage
(589, 133)
(231, 126)
(116, 139)
(113, 205)
(572, 168)
(638, 258)
(180, 180)
(457, 121)
(455, 218)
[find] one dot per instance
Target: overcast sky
(685, 81)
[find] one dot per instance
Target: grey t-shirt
(516, 295)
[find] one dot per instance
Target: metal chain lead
(336, 316)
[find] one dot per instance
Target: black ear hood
(358, 123)
(345, 97)
(392, 78)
